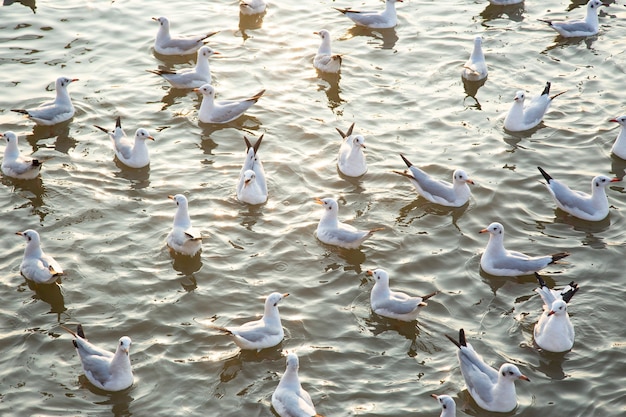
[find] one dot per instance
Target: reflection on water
(250, 214)
(514, 12)
(119, 401)
(410, 330)
(51, 294)
(420, 207)
(31, 190)
(387, 38)
(61, 131)
(618, 167)
(184, 264)
(139, 177)
(562, 42)
(250, 22)
(233, 365)
(28, 3)
(330, 85)
(354, 258)
(471, 89)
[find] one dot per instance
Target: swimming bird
(332, 232)
(252, 186)
(14, 164)
(212, 111)
(166, 44)
(251, 7)
(259, 334)
(190, 77)
(36, 265)
(372, 19)
(554, 331)
(591, 207)
(351, 159)
(619, 146)
(56, 111)
(493, 390)
(132, 154)
(576, 27)
(107, 371)
(521, 118)
(448, 406)
(497, 260)
(289, 398)
(475, 69)
(394, 304)
(455, 194)
(324, 60)
(183, 238)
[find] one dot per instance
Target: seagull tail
(257, 96)
(157, 72)
(546, 90)
(101, 128)
(545, 174)
(573, 288)
(406, 161)
(558, 256)
(427, 296)
(208, 35)
(221, 329)
(22, 111)
(344, 11)
(404, 174)
(343, 135)
(557, 94)
(457, 344)
(549, 22)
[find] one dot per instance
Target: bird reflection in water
(410, 330)
(33, 191)
(31, 4)
(250, 22)
(235, 364)
(514, 12)
(119, 401)
(51, 294)
(330, 84)
(423, 207)
(387, 38)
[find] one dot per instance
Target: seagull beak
(286, 295)
(155, 19)
(74, 79)
(316, 33)
(469, 181)
(363, 146)
(615, 179)
(216, 53)
(19, 233)
(524, 377)
(196, 89)
(613, 120)
(171, 197)
(318, 201)
(150, 137)
(369, 272)
(246, 182)
(484, 231)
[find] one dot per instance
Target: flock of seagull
(492, 389)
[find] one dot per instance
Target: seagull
(351, 160)
(259, 334)
(497, 260)
(448, 406)
(183, 238)
(437, 191)
(332, 232)
(36, 265)
(521, 118)
(190, 77)
(15, 165)
(53, 112)
(591, 207)
(290, 399)
(475, 69)
(579, 28)
(250, 7)
(165, 44)
(619, 147)
(394, 304)
(493, 390)
(212, 111)
(324, 60)
(107, 371)
(252, 187)
(554, 331)
(374, 20)
(132, 154)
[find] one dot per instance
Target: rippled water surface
(107, 224)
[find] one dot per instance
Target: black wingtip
(545, 174)
(257, 145)
(546, 90)
(74, 343)
(461, 342)
(22, 111)
(569, 294)
(350, 129)
(118, 121)
(79, 331)
(406, 161)
(542, 283)
(559, 256)
(248, 144)
(36, 162)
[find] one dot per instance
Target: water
(107, 225)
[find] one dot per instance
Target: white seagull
(107, 371)
(521, 118)
(475, 69)
(166, 44)
(252, 186)
(183, 238)
(374, 20)
(448, 406)
(324, 60)
(619, 147)
(132, 154)
(554, 331)
(577, 27)
(455, 194)
(290, 399)
(56, 111)
(332, 232)
(36, 265)
(251, 7)
(351, 159)
(497, 260)
(493, 390)
(591, 207)
(190, 77)
(15, 165)
(394, 304)
(212, 111)
(259, 334)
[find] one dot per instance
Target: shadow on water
(61, 131)
(249, 22)
(138, 177)
(618, 167)
(551, 364)
(330, 84)
(497, 282)
(387, 36)
(410, 330)
(357, 182)
(514, 12)
(353, 257)
(471, 89)
(562, 42)
(250, 214)
(31, 190)
(31, 4)
(119, 401)
(246, 123)
(420, 207)
(51, 294)
(235, 364)
(172, 96)
(186, 265)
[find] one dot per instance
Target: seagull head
(124, 345)
(206, 52)
(461, 176)
(249, 177)
(143, 134)
(512, 372)
(380, 276)
(621, 120)
(10, 137)
(446, 402)
(63, 82)
(558, 308)
(206, 90)
(329, 204)
(519, 97)
(179, 199)
(293, 363)
(494, 229)
(31, 236)
(358, 141)
(601, 181)
(274, 298)
(162, 21)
